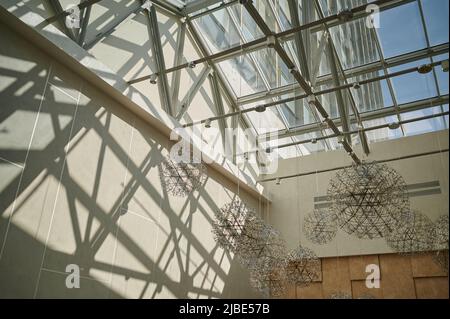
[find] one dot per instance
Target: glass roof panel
(442, 77)
(445, 109)
(436, 20)
(242, 75)
(353, 43)
(298, 113)
(413, 86)
(249, 28)
(424, 126)
(329, 102)
(331, 7)
(371, 96)
(266, 122)
(384, 133)
(362, 53)
(401, 30)
(265, 10)
(219, 31)
(179, 3)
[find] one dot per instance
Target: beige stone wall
(80, 184)
(427, 177)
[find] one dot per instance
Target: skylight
(409, 34)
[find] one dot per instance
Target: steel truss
(303, 72)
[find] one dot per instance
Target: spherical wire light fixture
(268, 276)
(235, 222)
(303, 266)
(414, 235)
(441, 232)
(369, 199)
(320, 226)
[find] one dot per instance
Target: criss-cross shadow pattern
(81, 185)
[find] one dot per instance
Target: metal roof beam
(266, 41)
(372, 115)
(297, 76)
(357, 71)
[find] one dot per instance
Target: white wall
(294, 198)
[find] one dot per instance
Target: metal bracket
(147, 5)
(271, 41)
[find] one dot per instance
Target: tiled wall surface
(401, 277)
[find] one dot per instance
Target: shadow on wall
(128, 50)
(79, 184)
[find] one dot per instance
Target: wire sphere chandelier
(441, 229)
(302, 266)
(263, 243)
(369, 199)
(235, 222)
(181, 179)
(441, 233)
(258, 246)
(414, 235)
(320, 226)
(268, 276)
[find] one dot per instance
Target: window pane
(441, 75)
(436, 20)
(218, 31)
(354, 44)
(413, 86)
(401, 30)
(242, 75)
(425, 126)
(371, 96)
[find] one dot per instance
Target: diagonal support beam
(178, 60)
(85, 14)
(220, 111)
(197, 5)
(318, 53)
(265, 41)
(368, 129)
(343, 109)
(298, 39)
(113, 28)
(354, 72)
(346, 86)
(185, 103)
(64, 13)
(226, 92)
(303, 61)
(160, 3)
(297, 76)
(342, 106)
(158, 54)
(372, 115)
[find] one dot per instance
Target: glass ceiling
(410, 34)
